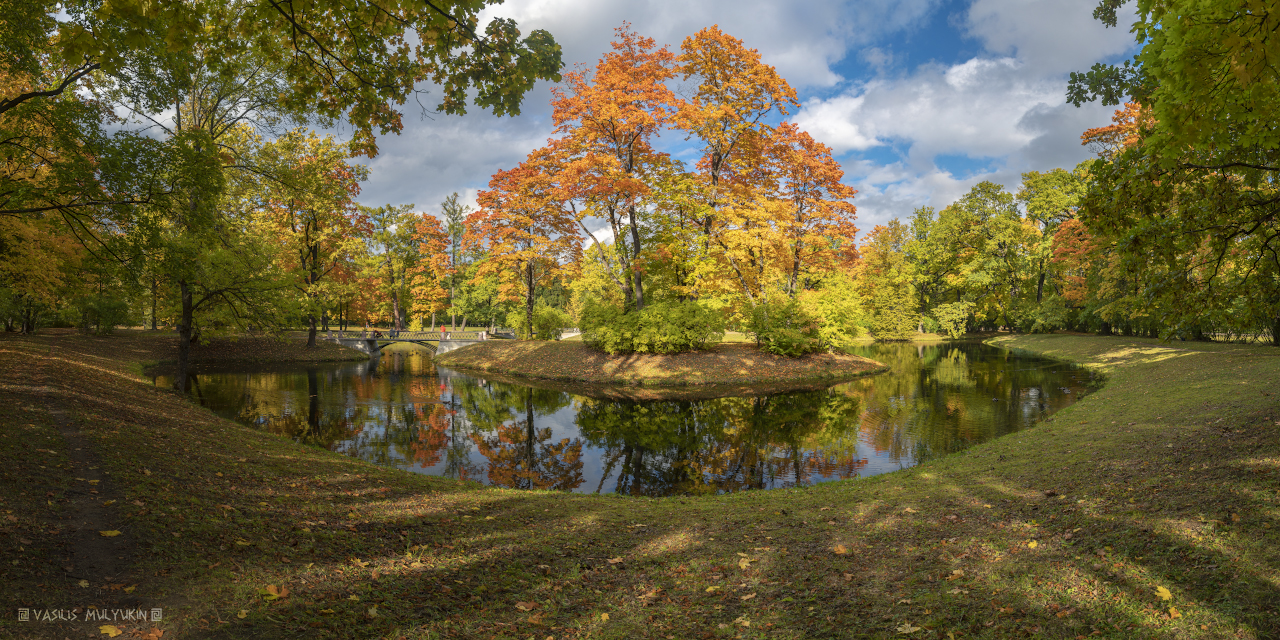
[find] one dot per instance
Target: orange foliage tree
(429, 275)
(527, 228)
(608, 118)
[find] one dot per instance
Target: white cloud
(1004, 109)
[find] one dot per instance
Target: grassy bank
(1148, 510)
(726, 364)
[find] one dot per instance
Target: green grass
(1164, 479)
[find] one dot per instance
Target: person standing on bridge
(442, 333)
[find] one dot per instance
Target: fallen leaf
(110, 630)
(604, 617)
(373, 611)
(1173, 613)
(907, 628)
(1033, 544)
(1163, 593)
(109, 534)
(909, 510)
(848, 577)
(710, 589)
(615, 560)
(354, 598)
(272, 592)
(744, 563)
(130, 589)
(840, 550)
(359, 563)
(83, 583)
(242, 614)
(526, 606)
(957, 591)
(748, 596)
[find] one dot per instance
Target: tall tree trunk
(637, 276)
(1275, 330)
(528, 301)
(1040, 288)
(311, 330)
(184, 337)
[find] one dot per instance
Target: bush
(838, 309)
(664, 327)
(953, 317)
(786, 329)
(548, 322)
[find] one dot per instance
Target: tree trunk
(528, 301)
(184, 337)
(637, 276)
(1040, 288)
(1275, 330)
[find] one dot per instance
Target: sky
(918, 99)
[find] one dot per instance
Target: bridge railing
(388, 334)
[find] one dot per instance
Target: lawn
(1147, 510)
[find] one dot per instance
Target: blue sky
(919, 99)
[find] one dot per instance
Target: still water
(403, 411)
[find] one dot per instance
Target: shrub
(953, 317)
(663, 327)
(896, 317)
(548, 322)
(842, 318)
(785, 329)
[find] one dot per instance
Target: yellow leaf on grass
(83, 583)
(744, 563)
(1173, 613)
(1163, 593)
(526, 606)
(615, 560)
(110, 630)
(272, 592)
(604, 617)
(710, 589)
(840, 550)
(748, 596)
(359, 563)
(130, 589)
(909, 510)
(242, 614)
(907, 628)
(1033, 544)
(109, 534)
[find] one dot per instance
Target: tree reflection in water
(403, 411)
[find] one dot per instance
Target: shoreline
(732, 365)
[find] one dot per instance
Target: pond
(403, 411)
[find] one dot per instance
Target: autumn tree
(885, 279)
(311, 214)
(433, 271)
(608, 117)
(528, 231)
(393, 255)
(728, 111)
(820, 232)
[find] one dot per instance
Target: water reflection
(403, 411)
